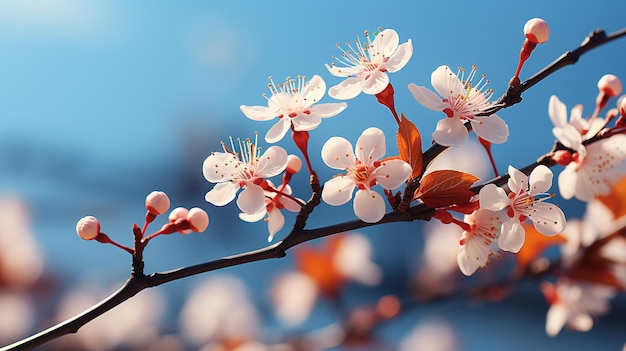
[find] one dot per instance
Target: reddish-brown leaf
(443, 188)
(410, 145)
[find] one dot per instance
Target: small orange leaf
(535, 244)
(443, 188)
(318, 264)
(410, 145)
(616, 200)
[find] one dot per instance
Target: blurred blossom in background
(102, 102)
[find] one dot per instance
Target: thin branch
(514, 94)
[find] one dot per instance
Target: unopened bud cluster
(157, 203)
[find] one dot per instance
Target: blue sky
(102, 102)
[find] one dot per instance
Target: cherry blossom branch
(138, 281)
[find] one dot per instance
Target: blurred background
(102, 102)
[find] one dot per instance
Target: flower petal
(512, 236)
(375, 82)
(275, 222)
(548, 218)
(450, 132)
(278, 130)
(386, 42)
(568, 184)
(446, 83)
(306, 122)
(603, 165)
(369, 206)
(568, 135)
(343, 71)
(576, 119)
(337, 153)
(259, 113)
(518, 181)
(337, 191)
(348, 89)
(219, 167)
(314, 90)
(468, 263)
(581, 322)
(272, 162)
(493, 198)
(329, 109)
(371, 145)
(250, 218)
(556, 318)
(427, 98)
(540, 180)
(472, 254)
(493, 128)
(290, 204)
(252, 199)
(222, 193)
(392, 173)
(402, 56)
(595, 126)
(557, 111)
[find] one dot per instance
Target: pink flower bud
(157, 202)
(294, 164)
(610, 85)
(536, 30)
(178, 213)
(198, 219)
(88, 228)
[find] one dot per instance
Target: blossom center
(363, 54)
(362, 175)
(524, 204)
(246, 155)
(291, 96)
(468, 99)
